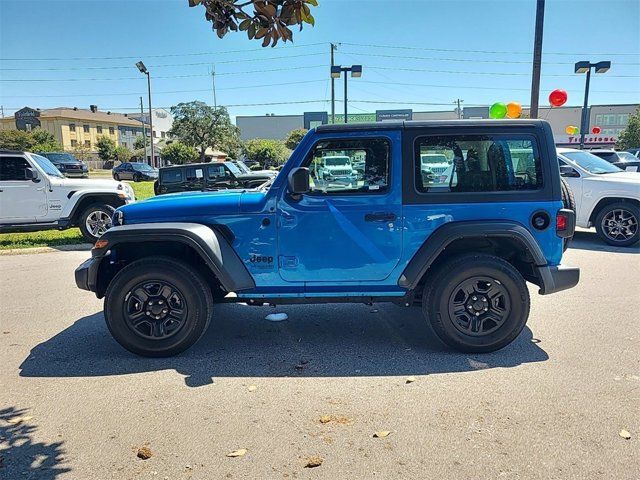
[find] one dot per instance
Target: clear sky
(478, 51)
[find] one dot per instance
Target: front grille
(337, 173)
(439, 170)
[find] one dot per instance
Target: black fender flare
(210, 245)
(450, 232)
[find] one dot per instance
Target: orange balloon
(514, 110)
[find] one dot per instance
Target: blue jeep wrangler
(461, 244)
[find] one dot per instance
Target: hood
(626, 178)
(187, 206)
(92, 183)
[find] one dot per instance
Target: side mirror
(567, 171)
(299, 181)
(30, 174)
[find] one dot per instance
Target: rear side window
(215, 172)
(194, 174)
(171, 176)
(13, 168)
(477, 163)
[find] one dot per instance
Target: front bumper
(557, 278)
(87, 274)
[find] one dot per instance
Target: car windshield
(48, 167)
(142, 167)
(242, 166)
(234, 169)
(61, 157)
(336, 161)
(627, 157)
(591, 163)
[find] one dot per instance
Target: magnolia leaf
(313, 462)
(244, 25)
(193, 3)
(237, 453)
(252, 388)
(312, 2)
(625, 434)
(410, 379)
(381, 434)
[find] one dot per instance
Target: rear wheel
(617, 224)
(137, 177)
(157, 307)
(476, 303)
(95, 220)
(116, 176)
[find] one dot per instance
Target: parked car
(623, 160)
(68, 165)
(35, 195)
(606, 197)
(635, 152)
(463, 252)
(207, 176)
(245, 169)
(335, 170)
(136, 171)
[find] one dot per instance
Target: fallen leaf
(144, 453)
(381, 434)
(15, 420)
(340, 419)
(237, 453)
(410, 379)
(313, 462)
(625, 434)
(325, 418)
(252, 388)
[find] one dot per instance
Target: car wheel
(476, 303)
(116, 177)
(95, 220)
(617, 224)
(157, 307)
(569, 202)
(136, 177)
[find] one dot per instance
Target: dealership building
(611, 119)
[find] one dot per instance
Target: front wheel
(95, 220)
(476, 303)
(157, 307)
(617, 224)
(116, 177)
(137, 177)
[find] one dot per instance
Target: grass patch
(52, 238)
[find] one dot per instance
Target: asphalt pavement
(74, 405)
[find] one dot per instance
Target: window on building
(99, 129)
(155, 134)
(13, 169)
(599, 119)
(87, 143)
(129, 132)
(72, 127)
(163, 134)
(28, 127)
(111, 131)
(74, 143)
(623, 119)
(85, 128)
(349, 166)
(477, 163)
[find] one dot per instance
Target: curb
(78, 247)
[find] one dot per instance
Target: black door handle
(380, 217)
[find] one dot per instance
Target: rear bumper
(557, 278)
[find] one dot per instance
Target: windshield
(591, 163)
(242, 166)
(142, 167)
(48, 167)
(235, 170)
(61, 157)
(336, 161)
(627, 157)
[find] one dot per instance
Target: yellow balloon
(570, 130)
(514, 110)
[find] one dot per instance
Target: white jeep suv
(34, 195)
(606, 197)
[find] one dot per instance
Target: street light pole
(144, 70)
(345, 97)
(537, 60)
(356, 72)
(333, 87)
(144, 128)
(585, 67)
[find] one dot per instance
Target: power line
(488, 73)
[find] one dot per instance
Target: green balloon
(498, 110)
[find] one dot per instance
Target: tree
(82, 153)
(37, 140)
(295, 137)
(268, 21)
(122, 153)
(178, 153)
(630, 136)
(44, 141)
(106, 148)
(200, 126)
(267, 152)
(139, 142)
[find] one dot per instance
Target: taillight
(565, 223)
(561, 222)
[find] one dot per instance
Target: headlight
(118, 218)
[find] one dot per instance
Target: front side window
(477, 163)
(194, 174)
(13, 169)
(343, 166)
(171, 176)
(216, 172)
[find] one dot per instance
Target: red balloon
(596, 130)
(558, 97)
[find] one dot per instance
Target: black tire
(441, 293)
(568, 200)
(191, 289)
(630, 234)
(103, 213)
(116, 177)
(137, 177)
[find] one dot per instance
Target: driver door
(22, 200)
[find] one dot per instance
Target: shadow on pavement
(318, 341)
(20, 455)
(591, 241)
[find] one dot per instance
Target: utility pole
(333, 87)
(459, 109)
(213, 85)
(2, 110)
(537, 60)
(144, 129)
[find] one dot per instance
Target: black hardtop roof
(195, 164)
(6, 150)
(409, 124)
